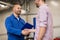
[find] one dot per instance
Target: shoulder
(44, 7)
(8, 18)
(22, 20)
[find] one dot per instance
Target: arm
(41, 33)
(42, 18)
(10, 28)
(30, 30)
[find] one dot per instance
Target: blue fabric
(14, 27)
(34, 22)
(27, 26)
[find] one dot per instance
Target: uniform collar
(15, 17)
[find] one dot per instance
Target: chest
(17, 23)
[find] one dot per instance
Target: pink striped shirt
(44, 19)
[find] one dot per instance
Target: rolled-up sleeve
(42, 17)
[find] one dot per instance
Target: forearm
(14, 31)
(41, 33)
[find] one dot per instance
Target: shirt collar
(15, 17)
(43, 5)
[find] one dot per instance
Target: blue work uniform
(14, 27)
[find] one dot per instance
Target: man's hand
(25, 32)
(30, 30)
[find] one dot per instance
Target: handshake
(27, 31)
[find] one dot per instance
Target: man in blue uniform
(14, 24)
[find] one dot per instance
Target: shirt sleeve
(10, 28)
(42, 17)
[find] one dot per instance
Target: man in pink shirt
(44, 23)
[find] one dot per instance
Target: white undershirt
(18, 19)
